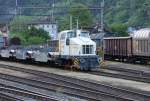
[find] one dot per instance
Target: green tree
(36, 40)
(64, 23)
(131, 12)
(32, 36)
(19, 23)
(82, 13)
(119, 29)
(38, 32)
(77, 11)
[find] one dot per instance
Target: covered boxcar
(118, 48)
(141, 45)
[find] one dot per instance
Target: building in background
(4, 34)
(96, 35)
(98, 38)
(46, 24)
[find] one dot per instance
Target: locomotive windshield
(84, 34)
(71, 34)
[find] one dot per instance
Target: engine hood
(83, 41)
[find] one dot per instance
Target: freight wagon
(141, 45)
(132, 49)
(118, 48)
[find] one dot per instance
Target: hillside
(131, 12)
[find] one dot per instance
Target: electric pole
(102, 15)
(70, 22)
(53, 6)
(102, 26)
(77, 23)
(16, 8)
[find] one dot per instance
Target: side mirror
(67, 41)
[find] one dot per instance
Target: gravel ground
(90, 77)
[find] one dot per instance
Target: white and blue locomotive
(73, 49)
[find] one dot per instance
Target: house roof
(97, 35)
(5, 19)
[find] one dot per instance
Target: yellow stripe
(76, 61)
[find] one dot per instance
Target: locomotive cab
(76, 43)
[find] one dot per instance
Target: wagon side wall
(118, 47)
(141, 47)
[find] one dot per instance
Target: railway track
(92, 91)
(72, 91)
(134, 75)
(9, 97)
(33, 92)
(25, 95)
(129, 70)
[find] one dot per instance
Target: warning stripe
(76, 61)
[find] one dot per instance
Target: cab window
(71, 34)
(63, 35)
(84, 34)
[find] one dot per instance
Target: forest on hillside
(131, 12)
(119, 15)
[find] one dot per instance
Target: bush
(32, 36)
(36, 40)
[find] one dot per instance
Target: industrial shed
(98, 38)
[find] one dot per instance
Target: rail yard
(74, 50)
(40, 83)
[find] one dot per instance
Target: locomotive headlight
(12, 50)
(29, 52)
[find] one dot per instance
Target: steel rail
(129, 70)
(127, 76)
(36, 96)
(7, 97)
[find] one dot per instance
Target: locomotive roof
(142, 33)
(74, 30)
